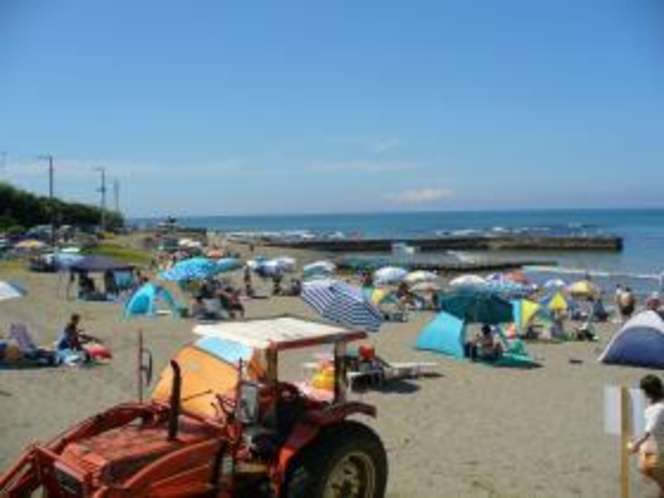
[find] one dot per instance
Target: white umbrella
(418, 276)
(555, 283)
(9, 290)
(285, 263)
(322, 266)
(468, 281)
(426, 287)
(389, 275)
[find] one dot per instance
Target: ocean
(640, 264)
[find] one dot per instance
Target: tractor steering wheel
(227, 405)
(287, 392)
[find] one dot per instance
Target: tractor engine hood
(112, 457)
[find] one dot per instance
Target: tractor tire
(347, 460)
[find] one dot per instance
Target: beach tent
(640, 342)
(99, 264)
(146, 301)
(446, 334)
(527, 312)
(210, 367)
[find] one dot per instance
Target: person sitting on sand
(230, 300)
(650, 447)
(69, 347)
(197, 309)
(485, 346)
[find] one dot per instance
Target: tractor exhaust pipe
(174, 414)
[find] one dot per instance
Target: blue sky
(220, 107)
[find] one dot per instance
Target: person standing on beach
(650, 447)
(626, 304)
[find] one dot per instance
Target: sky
(313, 106)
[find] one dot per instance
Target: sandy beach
(471, 431)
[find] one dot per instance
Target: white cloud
(386, 145)
(370, 144)
(361, 166)
(419, 196)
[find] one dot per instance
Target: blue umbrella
(191, 269)
(477, 307)
(228, 264)
(342, 303)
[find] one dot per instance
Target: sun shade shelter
(99, 264)
(149, 300)
(640, 342)
(446, 334)
(11, 290)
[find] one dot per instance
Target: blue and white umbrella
(389, 275)
(191, 269)
(11, 290)
(342, 303)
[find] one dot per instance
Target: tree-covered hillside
(20, 210)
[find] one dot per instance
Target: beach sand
(472, 431)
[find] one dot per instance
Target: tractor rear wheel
(348, 460)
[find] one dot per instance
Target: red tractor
(220, 424)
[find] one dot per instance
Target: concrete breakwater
(474, 243)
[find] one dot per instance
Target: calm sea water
(642, 230)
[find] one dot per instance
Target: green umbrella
(477, 307)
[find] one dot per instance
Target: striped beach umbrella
(11, 290)
(342, 303)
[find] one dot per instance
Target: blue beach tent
(446, 334)
(146, 300)
(640, 342)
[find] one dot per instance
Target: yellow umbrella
(583, 288)
(30, 244)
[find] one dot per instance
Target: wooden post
(140, 366)
(625, 437)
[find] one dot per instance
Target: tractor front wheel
(347, 461)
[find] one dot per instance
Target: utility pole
(3, 163)
(102, 189)
(116, 194)
(51, 202)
